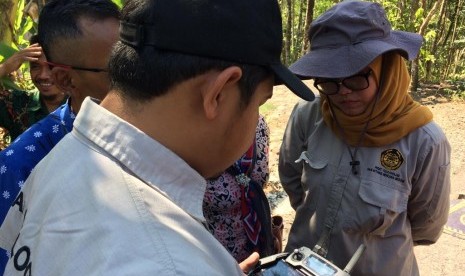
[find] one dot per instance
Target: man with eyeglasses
(76, 37)
(21, 109)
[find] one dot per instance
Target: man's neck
(52, 102)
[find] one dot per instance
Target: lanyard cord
(354, 163)
(338, 189)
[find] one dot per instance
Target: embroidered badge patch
(391, 159)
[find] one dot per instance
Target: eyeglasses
(53, 64)
(331, 86)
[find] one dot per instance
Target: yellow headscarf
(395, 113)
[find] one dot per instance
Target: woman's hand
(249, 263)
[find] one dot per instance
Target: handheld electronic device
(303, 261)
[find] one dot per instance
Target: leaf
(19, 14)
(6, 51)
(119, 3)
(7, 83)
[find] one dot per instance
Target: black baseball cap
(242, 31)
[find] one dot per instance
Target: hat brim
(344, 61)
(284, 76)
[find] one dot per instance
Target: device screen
(319, 266)
(281, 268)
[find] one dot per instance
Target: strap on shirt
(337, 192)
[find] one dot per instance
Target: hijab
(391, 115)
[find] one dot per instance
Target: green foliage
(440, 56)
(24, 27)
(430, 35)
(6, 51)
(393, 14)
(322, 6)
(9, 84)
(119, 3)
(419, 17)
(455, 88)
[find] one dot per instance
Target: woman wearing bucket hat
(364, 163)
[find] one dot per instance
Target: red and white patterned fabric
(225, 207)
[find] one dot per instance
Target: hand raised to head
(31, 53)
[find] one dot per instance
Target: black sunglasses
(331, 86)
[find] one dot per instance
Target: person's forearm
(11, 64)
(3, 72)
(6, 67)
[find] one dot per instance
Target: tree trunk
(414, 4)
(449, 43)
(427, 19)
(441, 25)
(308, 21)
(298, 33)
(415, 64)
(288, 33)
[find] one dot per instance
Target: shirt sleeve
(15, 167)
(428, 206)
(12, 223)
(19, 159)
(292, 146)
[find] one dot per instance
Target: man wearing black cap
(188, 78)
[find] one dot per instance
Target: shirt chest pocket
(375, 209)
(314, 169)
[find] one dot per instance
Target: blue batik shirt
(18, 160)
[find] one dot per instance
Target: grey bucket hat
(348, 37)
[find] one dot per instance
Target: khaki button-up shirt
(399, 198)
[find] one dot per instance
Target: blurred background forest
(441, 65)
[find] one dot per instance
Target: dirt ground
(446, 257)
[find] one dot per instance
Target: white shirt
(109, 200)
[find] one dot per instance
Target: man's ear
(63, 79)
(217, 89)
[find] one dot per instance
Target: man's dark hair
(34, 39)
(59, 19)
(146, 72)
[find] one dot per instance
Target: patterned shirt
(18, 111)
(223, 198)
(18, 160)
